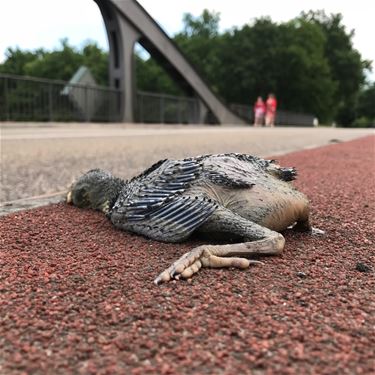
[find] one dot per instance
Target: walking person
(271, 105)
(259, 111)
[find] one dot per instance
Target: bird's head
(96, 189)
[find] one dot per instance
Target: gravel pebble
(361, 267)
(302, 275)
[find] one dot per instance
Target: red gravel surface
(76, 295)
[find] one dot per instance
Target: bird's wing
(157, 202)
(177, 219)
(270, 166)
(231, 170)
(240, 170)
(286, 174)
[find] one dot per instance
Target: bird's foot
(202, 256)
(317, 232)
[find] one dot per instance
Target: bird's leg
(259, 240)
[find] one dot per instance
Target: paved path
(39, 159)
(77, 295)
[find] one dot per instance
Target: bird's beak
(69, 195)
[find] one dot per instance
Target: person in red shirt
(259, 111)
(271, 105)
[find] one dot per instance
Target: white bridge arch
(127, 22)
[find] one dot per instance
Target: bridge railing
(25, 98)
(284, 118)
(162, 108)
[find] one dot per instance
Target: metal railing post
(50, 108)
(162, 109)
(87, 116)
(6, 99)
(179, 111)
(140, 101)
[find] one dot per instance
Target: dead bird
(227, 195)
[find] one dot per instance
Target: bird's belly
(275, 210)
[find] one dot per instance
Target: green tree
(200, 40)
(309, 62)
(366, 102)
(97, 61)
(347, 67)
(286, 59)
(150, 76)
(196, 40)
(60, 63)
(16, 60)
(204, 26)
(304, 83)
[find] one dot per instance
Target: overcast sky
(30, 24)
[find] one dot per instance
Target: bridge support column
(128, 82)
(122, 37)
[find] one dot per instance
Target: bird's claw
(190, 263)
(317, 232)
